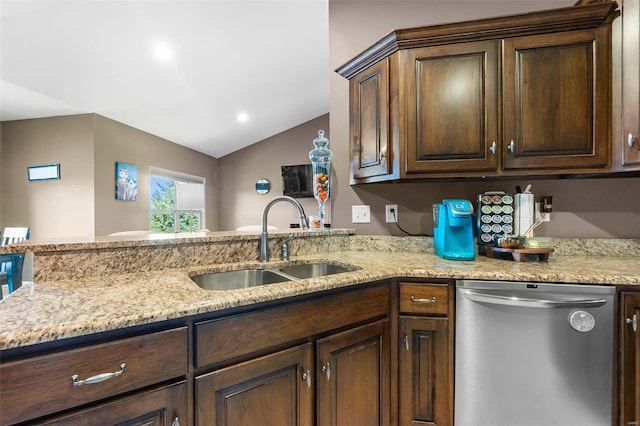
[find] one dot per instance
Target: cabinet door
(273, 390)
(424, 374)
(557, 107)
(369, 122)
(630, 149)
(354, 376)
(451, 108)
(630, 362)
(166, 406)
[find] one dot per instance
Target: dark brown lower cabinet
(630, 359)
(353, 376)
(348, 386)
(165, 406)
(423, 371)
(275, 389)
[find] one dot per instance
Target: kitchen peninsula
(105, 294)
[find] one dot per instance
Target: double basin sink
(245, 278)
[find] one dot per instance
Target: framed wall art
(44, 172)
(126, 182)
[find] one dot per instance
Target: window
(176, 201)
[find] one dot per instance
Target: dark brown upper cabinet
(524, 94)
(627, 148)
(557, 108)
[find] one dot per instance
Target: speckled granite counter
(154, 285)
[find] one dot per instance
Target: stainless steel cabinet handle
(75, 379)
(493, 147)
(176, 422)
(510, 300)
(406, 342)
(512, 147)
(326, 369)
(634, 323)
(307, 378)
(416, 300)
(630, 140)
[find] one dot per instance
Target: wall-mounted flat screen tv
(297, 181)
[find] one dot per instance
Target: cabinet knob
(75, 379)
(512, 147)
(326, 369)
(406, 342)
(307, 378)
(176, 422)
(383, 153)
(634, 322)
(493, 148)
(630, 140)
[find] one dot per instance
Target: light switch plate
(361, 214)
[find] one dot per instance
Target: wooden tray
(519, 254)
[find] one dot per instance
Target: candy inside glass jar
(321, 164)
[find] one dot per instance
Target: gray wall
(240, 205)
(82, 202)
(57, 208)
(597, 208)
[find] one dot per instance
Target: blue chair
(11, 263)
(12, 274)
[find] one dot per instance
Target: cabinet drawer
(424, 298)
(251, 333)
(43, 385)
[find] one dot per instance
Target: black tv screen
(297, 181)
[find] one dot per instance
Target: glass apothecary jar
(320, 158)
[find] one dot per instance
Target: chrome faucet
(264, 236)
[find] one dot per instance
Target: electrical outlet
(539, 214)
(391, 213)
(360, 214)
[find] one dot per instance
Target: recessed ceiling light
(243, 117)
(162, 51)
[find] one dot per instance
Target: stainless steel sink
(234, 280)
(313, 270)
(245, 278)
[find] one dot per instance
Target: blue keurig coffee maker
(453, 229)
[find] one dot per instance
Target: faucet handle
(285, 247)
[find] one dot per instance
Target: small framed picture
(126, 182)
(44, 172)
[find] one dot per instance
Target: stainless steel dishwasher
(532, 354)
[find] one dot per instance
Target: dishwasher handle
(498, 299)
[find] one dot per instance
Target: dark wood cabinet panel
(628, 149)
(451, 107)
(276, 389)
(148, 359)
(424, 373)
(425, 299)
(371, 150)
(236, 337)
(354, 376)
(556, 100)
(630, 359)
(166, 406)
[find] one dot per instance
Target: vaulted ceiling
(214, 76)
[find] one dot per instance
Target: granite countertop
(51, 310)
